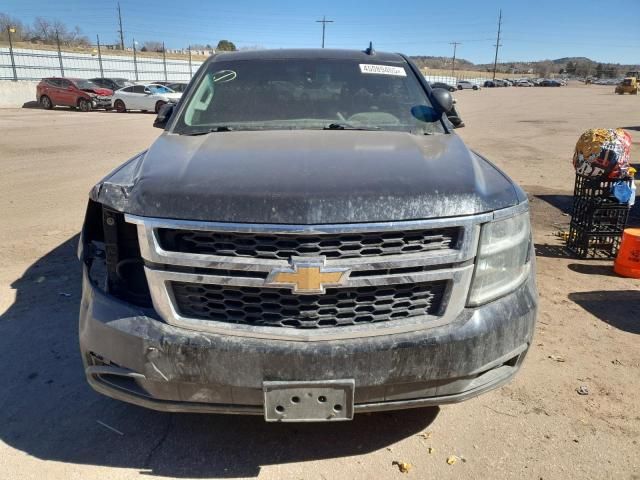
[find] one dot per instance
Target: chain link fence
(34, 64)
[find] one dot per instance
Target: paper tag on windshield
(382, 70)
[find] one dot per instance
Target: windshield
(159, 89)
(123, 82)
(307, 94)
(85, 84)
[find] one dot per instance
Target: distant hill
(578, 66)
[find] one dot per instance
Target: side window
(53, 82)
(128, 89)
(64, 83)
(138, 89)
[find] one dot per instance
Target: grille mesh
(270, 307)
(334, 246)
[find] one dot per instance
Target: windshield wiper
(222, 128)
(346, 126)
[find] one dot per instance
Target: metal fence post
(10, 30)
(100, 56)
(59, 54)
(164, 61)
(190, 67)
(135, 60)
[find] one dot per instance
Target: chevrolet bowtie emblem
(308, 275)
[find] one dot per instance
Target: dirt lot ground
(53, 426)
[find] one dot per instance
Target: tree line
(48, 32)
(41, 30)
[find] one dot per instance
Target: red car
(72, 92)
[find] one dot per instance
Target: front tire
(475, 87)
(84, 105)
(119, 106)
(46, 102)
(159, 105)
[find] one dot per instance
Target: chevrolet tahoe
(306, 240)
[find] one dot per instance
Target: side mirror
(425, 114)
(147, 91)
(164, 115)
(442, 100)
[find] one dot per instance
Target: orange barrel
(627, 262)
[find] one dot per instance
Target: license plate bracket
(308, 401)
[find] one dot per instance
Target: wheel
(475, 87)
(159, 105)
(46, 102)
(459, 87)
(451, 89)
(84, 105)
(119, 106)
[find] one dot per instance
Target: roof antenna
(370, 50)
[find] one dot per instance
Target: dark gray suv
(307, 239)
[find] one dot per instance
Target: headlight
(503, 260)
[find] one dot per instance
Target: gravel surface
(52, 425)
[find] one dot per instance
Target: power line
(453, 64)
(120, 31)
(324, 22)
(495, 61)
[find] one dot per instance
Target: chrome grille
(217, 277)
(285, 246)
(338, 307)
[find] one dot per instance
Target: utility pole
(324, 22)
(59, 54)
(11, 30)
(495, 61)
(100, 56)
(121, 32)
(135, 60)
(453, 64)
(164, 61)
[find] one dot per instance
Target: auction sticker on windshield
(382, 70)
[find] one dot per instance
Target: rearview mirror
(164, 115)
(442, 100)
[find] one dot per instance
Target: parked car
(112, 83)
(72, 92)
(149, 97)
(177, 87)
(490, 84)
(507, 82)
(446, 86)
(466, 85)
(305, 257)
(550, 83)
(523, 83)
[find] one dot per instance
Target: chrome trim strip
(152, 251)
(309, 229)
(164, 303)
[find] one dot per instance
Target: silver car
(467, 85)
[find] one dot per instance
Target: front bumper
(101, 102)
(132, 356)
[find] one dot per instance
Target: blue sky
(532, 30)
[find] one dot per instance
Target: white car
(523, 83)
(143, 97)
(465, 84)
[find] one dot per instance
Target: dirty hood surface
(307, 177)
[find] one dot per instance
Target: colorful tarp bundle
(603, 152)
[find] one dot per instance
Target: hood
(307, 177)
(99, 91)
